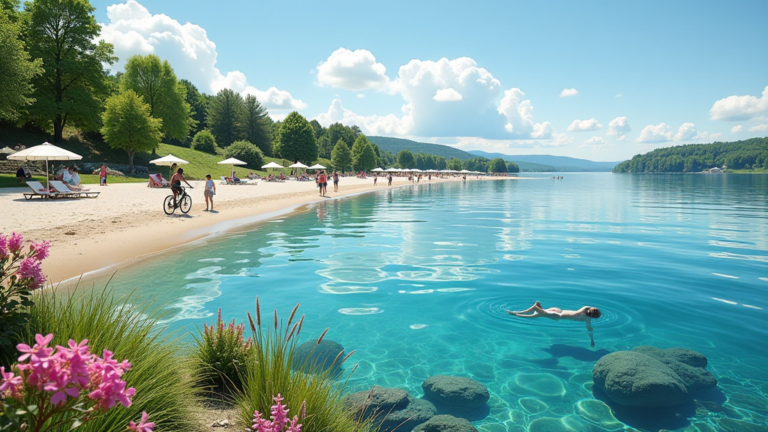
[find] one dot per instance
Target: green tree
(441, 163)
(379, 160)
(296, 140)
(420, 164)
(196, 102)
(246, 152)
(363, 156)
(332, 135)
(16, 69)
(318, 128)
(341, 157)
(225, 116)
(454, 164)
(512, 167)
(256, 124)
(204, 141)
(155, 81)
(405, 159)
(128, 126)
(71, 89)
(497, 166)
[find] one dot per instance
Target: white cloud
(370, 125)
(360, 95)
(734, 108)
(597, 143)
(759, 128)
(619, 127)
(737, 128)
(447, 95)
(584, 125)
(132, 29)
(596, 140)
(519, 115)
(687, 132)
(659, 133)
(352, 70)
(569, 92)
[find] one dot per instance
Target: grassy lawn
(9, 180)
(749, 171)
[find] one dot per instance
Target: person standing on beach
(322, 182)
(335, 181)
(103, 175)
(389, 180)
(375, 179)
(210, 191)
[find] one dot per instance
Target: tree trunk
(58, 120)
(130, 160)
(58, 129)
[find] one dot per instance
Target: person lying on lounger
(584, 314)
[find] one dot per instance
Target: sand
(126, 222)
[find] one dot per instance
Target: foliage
(204, 141)
(747, 154)
(225, 116)
(405, 159)
(220, 355)
(20, 275)
(256, 124)
(16, 69)
(129, 126)
(331, 137)
(155, 81)
(279, 415)
(296, 140)
(512, 167)
(164, 386)
(70, 91)
(480, 164)
(454, 164)
(341, 157)
(497, 165)
(246, 152)
(197, 103)
(53, 387)
(441, 163)
(363, 156)
(394, 145)
(274, 372)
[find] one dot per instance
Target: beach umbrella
(317, 167)
(377, 170)
(465, 171)
(5, 152)
(46, 152)
(298, 165)
(272, 165)
(393, 169)
(233, 162)
(169, 161)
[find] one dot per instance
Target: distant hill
(394, 145)
(559, 163)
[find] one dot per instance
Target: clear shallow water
(417, 280)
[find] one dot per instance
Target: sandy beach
(126, 221)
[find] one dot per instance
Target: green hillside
(394, 145)
(749, 155)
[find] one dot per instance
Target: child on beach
(103, 175)
(210, 191)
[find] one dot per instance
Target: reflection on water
(418, 279)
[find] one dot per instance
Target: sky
(588, 79)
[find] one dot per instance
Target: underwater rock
(652, 377)
(731, 425)
(455, 391)
(313, 357)
(392, 409)
(445, 423)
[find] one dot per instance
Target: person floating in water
(585, 314)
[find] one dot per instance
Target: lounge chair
(65, 191)
(157, 181)
(39, 190)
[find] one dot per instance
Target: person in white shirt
(210, 191)
(66, 176)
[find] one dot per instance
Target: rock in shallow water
(455, 391)
(391, 408)
(313, 357)
(445, 423)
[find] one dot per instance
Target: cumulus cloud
(371, 125)
(569, 92)
(619, 127)
(737, 128)
(659, 133)
(352, 70)
(687, 132)
(759, 128)
(132, 29)
(584, 125)
(734, 108)
(447, 95)
(596, 140)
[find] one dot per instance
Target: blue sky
(641, 75)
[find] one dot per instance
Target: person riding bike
(176, 185)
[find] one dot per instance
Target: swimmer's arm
(590, 331)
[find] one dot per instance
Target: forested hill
(749, 154)
(555, 163)
(394, 145)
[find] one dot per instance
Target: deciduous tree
(341, 157)
(296, 140)
(16, 69)
(196, 102)
(128, 126)
(498, 165)
(405, 159)
(363, 156)
(454, 164)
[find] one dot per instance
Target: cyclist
(176, 185)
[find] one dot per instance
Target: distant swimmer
(585, 314)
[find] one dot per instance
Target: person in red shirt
(322, 182)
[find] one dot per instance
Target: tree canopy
(341, 157)
(405, 159)
(225, 116)
(497, 165)
(296, 140)
(454, 164)
(256, 124)
(16, 70)
(331, 136)
(363, 156)
(204, 141)
(197, 103)
(747, 154)
(128, 126)
(246, 152)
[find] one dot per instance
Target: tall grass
(274, 372)
(164, 387)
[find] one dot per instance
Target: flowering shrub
(53, 386)
(222, 354)
(279, 422)
(20, 274)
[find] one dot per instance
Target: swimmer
(585, 314)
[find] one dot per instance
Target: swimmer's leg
(532, 308)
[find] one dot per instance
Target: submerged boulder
(455, 391)
(445, 423)
(313, 357)
(391, 409)
(652, 377)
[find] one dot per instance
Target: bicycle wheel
(186, 204)
(168, 205)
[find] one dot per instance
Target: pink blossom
(30, 269)
(10, 385)
(40, 346)
(40, 250)
(3, 247)
(295, 426)
(279, 414)
(15, 242)
(143, 425)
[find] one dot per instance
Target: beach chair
(157, 181)
(65, 191)
(38, 190)
(224, 180)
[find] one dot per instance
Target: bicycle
(183, 203)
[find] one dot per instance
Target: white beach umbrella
(233, 162)
(377, 170)
(169, 161)
(298, 165)
(316, 167)
(46, 152)
(415, 170)
(465, 171)
(272, 165)
(393, 169)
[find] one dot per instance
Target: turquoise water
(417, 280)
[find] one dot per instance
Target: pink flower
(143, 425)
(294, 426)
(10, 385)
(40, 250)
(40, 346)
(15, 242)
(3, 247)
(30, 269)
(279, 414)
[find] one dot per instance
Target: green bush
(165, 388)
(220, 355)
(204, 142)
(246, 152)
(273, 372)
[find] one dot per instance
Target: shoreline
(139, 229)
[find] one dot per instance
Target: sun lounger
(65, 191)
(157, 181)
(38, 190)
